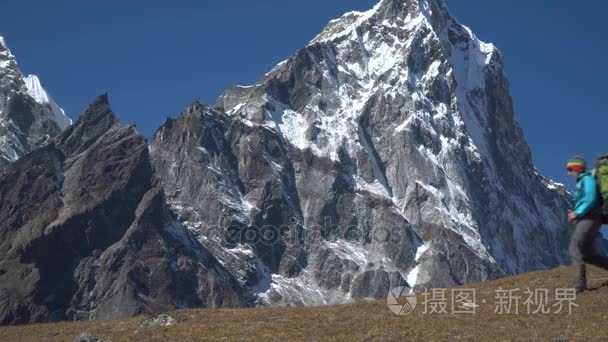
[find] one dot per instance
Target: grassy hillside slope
(368, 321)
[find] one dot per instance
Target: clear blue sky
(155, 57)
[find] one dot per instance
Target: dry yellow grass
(363, 322)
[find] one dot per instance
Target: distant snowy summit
(38, 93)
(29, 117)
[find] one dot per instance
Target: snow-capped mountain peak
(416, 110)
(6, 57)
(38, 93)
(11, 79)
(29, 117)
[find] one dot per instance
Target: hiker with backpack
(588, 217)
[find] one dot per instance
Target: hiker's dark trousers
(582, 250)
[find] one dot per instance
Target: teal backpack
(601, 176)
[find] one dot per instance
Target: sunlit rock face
(384, 152)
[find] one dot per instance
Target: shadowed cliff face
(85, 232)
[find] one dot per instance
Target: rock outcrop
(85, 232)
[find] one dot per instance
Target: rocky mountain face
(384, 152)
(289, 225)
(85, 232)
(29, 118)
